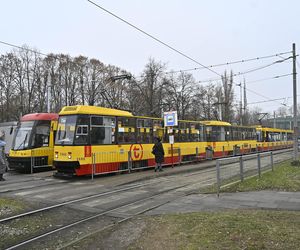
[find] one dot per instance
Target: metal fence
(128, 161)
(236, 169)
(41, 158)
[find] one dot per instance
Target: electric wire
(22, 48)
(270, 78)
(246, 72)
(229, 63)
(153, 37)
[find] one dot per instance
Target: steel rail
(98, 215)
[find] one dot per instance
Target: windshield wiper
(23, 142)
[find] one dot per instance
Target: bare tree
(151, 87)
(225, 96)
(7, 86)
(179, 93)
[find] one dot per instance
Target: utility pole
(241, 104)
(49, 93)
(245, 117)
(296, 162)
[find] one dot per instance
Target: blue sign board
(170, 119)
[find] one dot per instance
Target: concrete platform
(242, 200)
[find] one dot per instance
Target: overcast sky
(211, 32)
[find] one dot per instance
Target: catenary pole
(49, 93)
(295, 104)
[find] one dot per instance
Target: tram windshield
(32, 134)
(22, 136)
(85, 130)
(66, 130)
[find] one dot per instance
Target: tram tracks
(7, 219)
(108, 211)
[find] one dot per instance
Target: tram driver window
(41, 137)
(82, 130)
(81, 134)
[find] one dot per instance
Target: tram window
(81, 136)
(158, 130)
(102, 130)
(216, 133)
(140, 123)
(183, 135)
(183, 132)
(222, 134)
(42, 133)
(144, 132)
(194, 132)
(259, 136)
(228, 134)
(202, 135)
(253, 134)
(148, 123)
(236, 134)
(97, 120)
(182, 125)
(126, 130)
(82, 130)
(209, 133)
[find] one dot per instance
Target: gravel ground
(121, 236)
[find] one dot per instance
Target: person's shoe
(155, 170)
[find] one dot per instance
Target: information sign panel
(170, 119)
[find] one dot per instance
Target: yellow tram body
(225, 139)
(116, 138)
(97, 140)
(274, 138)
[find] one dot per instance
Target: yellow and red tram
(114, 136)
(97, 140)
(225, 139)
(33, 142)
(273, 138)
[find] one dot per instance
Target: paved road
(243, 200)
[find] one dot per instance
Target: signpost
(171, 120)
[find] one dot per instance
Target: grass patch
(284, 178)
(237, 229)
(10, 206)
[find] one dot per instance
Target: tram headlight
(69, 155)
(56, 154)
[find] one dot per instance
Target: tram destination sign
(170, 119)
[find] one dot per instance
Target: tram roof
(274, 130)
(93, 110)
(39, 116)
(216, 123)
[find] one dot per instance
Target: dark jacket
(159, 152)
(2, 158)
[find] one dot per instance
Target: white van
(8, 129)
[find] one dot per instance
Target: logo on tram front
(136, 151)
